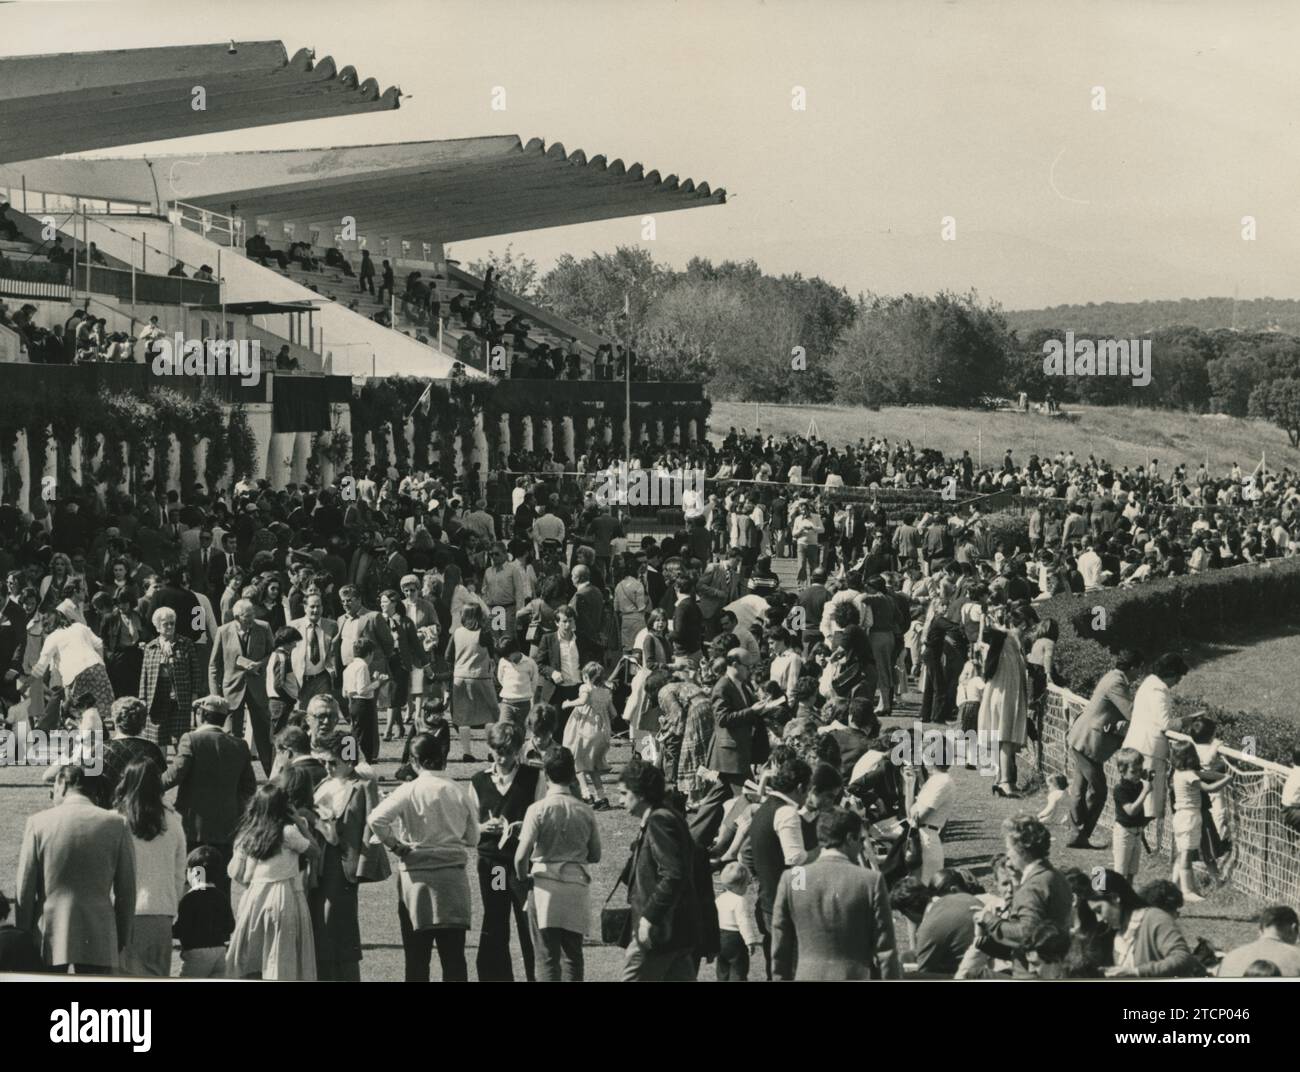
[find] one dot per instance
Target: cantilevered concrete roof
(441, 191)
(78, 101)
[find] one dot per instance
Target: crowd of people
(163, 629)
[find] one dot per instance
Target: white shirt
(518, 680)
(356, 679)
(785, 672)
(1090, 568)
(789, 829)
(570, 664)
(1291, 789)
(1152, 711)
(434, 814)
(735, 914)
(935, 798)
(74, 647)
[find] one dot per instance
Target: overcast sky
(915, 111)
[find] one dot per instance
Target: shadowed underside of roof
(434, 191)
(79, 101)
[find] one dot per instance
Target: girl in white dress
(587, 733)
(273, 936)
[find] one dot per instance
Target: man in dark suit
(207, 566)
(76, 879)
(718, 586)
(1096, 736)
(731, 748)
(688, 623)
(834, 912)
(237, 671)
(213, 773)
(665, 918)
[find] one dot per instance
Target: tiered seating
(332, 283)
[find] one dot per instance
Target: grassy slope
(1243, 674)
(1122, 435)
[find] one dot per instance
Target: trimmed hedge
(1165, 615)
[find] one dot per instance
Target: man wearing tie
(311, 656)
(719, 585)
(237, 671)
(736, 719)
(207, 566)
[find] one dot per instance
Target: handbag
(373, 864)
(616, 921)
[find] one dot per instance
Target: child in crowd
(430, 718)
(273, 936)
(970, 690)
(738, 932)
(587, 733)
(542, 721)
(1057, 808)
(1190, 784)
(1291, 793)
(204, 921)
(360, 686)
(281, 684)
(1129, 800)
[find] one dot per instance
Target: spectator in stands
(367, 274)
(284, 361)
(178, 269)
(204, 273)
(386, 283)
(8, 229)
(334, 258)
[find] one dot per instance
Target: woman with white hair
(78, 654)
(170, 676)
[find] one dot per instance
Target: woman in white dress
(1004, 707)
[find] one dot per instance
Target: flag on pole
(425, 403)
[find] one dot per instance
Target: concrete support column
(259, 421)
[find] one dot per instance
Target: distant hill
(1137, 318)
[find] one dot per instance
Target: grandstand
(163, 244)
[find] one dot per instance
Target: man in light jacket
(76, 879)
(1094, 737)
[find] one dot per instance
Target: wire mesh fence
(1264, 861)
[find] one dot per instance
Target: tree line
(756, 337)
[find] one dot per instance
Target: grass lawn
(1245, 673)
(971, 840)
(1122, 435)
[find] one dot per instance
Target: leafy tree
(1279, 401)
(591, 291)
(945, 350)
(516, 273)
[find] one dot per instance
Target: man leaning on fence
(1094, 737)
